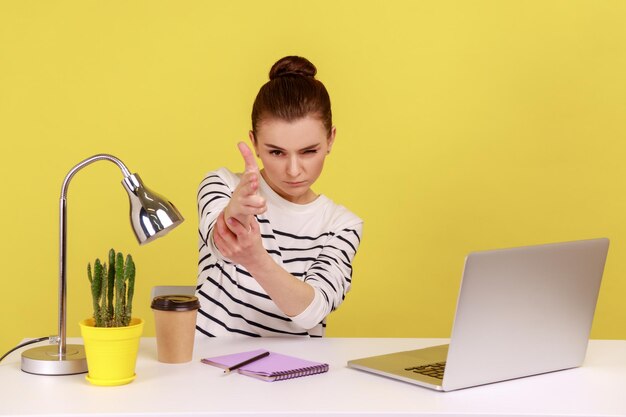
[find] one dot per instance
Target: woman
(275, 257)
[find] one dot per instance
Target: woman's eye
(311, 151)
(275, 153)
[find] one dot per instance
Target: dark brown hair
(292, 93)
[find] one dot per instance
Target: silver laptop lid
(524, 311)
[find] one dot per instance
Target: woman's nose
(293, 166)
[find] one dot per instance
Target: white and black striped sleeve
(214, 193)
(331, 275)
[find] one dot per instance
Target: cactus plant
(112, 290)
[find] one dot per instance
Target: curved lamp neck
(88, 161)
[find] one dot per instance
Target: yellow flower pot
(111, 352)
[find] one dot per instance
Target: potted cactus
(112, 290)
(111, 335)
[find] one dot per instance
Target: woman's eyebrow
(310, 147)
(269, 145)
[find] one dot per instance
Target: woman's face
(293, 155)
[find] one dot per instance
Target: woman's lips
(295, 183)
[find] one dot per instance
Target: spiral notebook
(274, 367)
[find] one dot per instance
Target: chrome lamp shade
(151, 216)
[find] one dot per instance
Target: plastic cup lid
(175, 302)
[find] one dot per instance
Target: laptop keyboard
(434, 370)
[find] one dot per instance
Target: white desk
(195, 389)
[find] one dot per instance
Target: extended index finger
(248, 157)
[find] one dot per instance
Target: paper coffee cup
(175, 323)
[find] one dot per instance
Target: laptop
(520, 312)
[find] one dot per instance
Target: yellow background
(462, 125)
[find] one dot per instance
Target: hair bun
(292, 65)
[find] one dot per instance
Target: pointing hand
(246, 202)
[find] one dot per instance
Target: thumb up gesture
(246, 202)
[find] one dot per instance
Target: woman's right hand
(246, 202)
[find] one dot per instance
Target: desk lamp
(151, 216)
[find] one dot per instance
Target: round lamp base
(45, 360)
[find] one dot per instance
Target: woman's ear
(331, 138)
(254, 143)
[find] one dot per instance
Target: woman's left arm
(244, 246)
(308, 302)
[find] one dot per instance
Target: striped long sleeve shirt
(314, 242)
